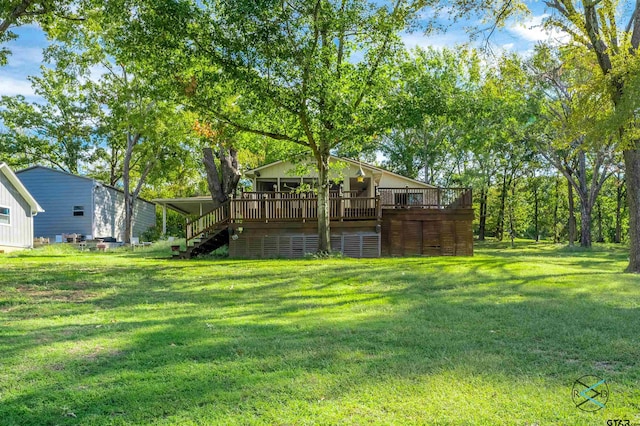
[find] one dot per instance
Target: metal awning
(191, 206)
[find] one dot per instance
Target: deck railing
(208, 221)
(301, 208)
(259, 195)
(436, 198)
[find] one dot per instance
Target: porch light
(360, 175)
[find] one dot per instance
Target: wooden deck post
(406, 196)
(304, 206)
(263, 212)
(232, 206)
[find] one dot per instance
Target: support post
(164, 219)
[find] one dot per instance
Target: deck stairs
(206, 233)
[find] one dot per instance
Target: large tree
(54, 131)
(137, 129)
(309, 72)
(431, 97)
(594, 25)
(568, 105)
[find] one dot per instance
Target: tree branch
(273, 135)
(372, 72)
(16, 13)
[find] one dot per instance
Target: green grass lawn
(135, 338)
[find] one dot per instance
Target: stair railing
(208, 221)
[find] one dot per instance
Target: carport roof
(194, 206)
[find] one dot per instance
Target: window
(415, 199)
(78, 210)
(5, 216)
(408, 199)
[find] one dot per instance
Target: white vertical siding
(109, 214)
(20, 232)
(144, 217)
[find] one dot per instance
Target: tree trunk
(213, 179)
(632, 174)
(114, 171)
(619, 194)
(482, 226)
(230, 169)
(572, 215)
(126, 184)
(585, 223)
(224, 183)
(128, 211)
(556, 237)
(324, 228)
(503, 198)
(130, 197)
(512, 226)
(536, 212)
(600, 238)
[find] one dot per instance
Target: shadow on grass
(231, 338)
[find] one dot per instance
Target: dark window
(415, 199)
(78, 210)
(5, 215)
(408, 199)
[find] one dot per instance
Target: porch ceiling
(194, 206)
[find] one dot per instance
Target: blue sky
(25, 60)
(516, 36)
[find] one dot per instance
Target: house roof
(57, 171)
(90, 179)
(22, 190)
(251, 173)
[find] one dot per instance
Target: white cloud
(25, 56)
(508, 46)
(96, 72)
(532, 30)
(10, 86)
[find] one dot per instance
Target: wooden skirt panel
(427, 233)
(261, 244)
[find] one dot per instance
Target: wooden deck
(283, 207)
(284, 224)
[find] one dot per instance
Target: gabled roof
(90, 179)
(57, 171)
(346, 160)
(22, 190)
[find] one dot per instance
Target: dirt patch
(39, 295)
(56, 367)
(99, 352)
(605, 366)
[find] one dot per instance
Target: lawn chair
(135, 242)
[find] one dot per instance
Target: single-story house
(82, 205)
(373, 212)
(17, 210)
(347, 175)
